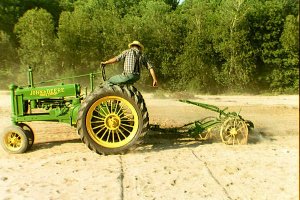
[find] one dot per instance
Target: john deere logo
(47, 92)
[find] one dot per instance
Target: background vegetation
(204, 46)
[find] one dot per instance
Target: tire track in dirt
(212, 175)
(121, 177)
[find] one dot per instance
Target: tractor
(109, 120)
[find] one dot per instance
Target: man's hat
(137, 43)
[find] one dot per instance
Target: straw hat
(137, 43)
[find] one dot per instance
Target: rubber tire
(141, 102)
(130, 94)
(16, 129)
(29, 133)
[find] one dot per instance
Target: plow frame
(232, 127)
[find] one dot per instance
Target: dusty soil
(166, 166)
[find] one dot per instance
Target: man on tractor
(133, 60)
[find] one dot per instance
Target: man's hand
(154, 84)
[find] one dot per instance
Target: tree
(204, 46)
(9, 13)
(87, 35)
(8, 60)
(286, 77)
(35, 31)
(230, 40)
(172, 3)
(196, 66)
(12, 10)
(266, 35)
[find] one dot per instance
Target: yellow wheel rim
(13, 141)
(234, 131)
(112, 122)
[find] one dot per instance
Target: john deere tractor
(109, 120)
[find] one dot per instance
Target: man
(133, 60)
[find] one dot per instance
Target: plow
(110, 119)
(233, 129)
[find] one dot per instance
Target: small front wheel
(14, 139)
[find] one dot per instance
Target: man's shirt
(130, 57)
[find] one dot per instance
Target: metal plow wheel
(233, 128)
(209, 130)
(112, 121)
(234, 131)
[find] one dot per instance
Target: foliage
(35, 30)
(230, 41)
(212, 46)
(8, 61)
(275, 71)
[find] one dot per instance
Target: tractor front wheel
(14, 139)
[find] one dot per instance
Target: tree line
(204, 46)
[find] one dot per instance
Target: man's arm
(152, 72)
(116, 59)
(110, 61)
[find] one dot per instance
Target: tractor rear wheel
(14, 139)
(112, 119)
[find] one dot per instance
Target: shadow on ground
(159, 141)
(50, 144)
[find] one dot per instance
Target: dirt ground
(166, 166)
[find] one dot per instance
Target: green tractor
(109, 120)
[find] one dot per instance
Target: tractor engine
(51, 103)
